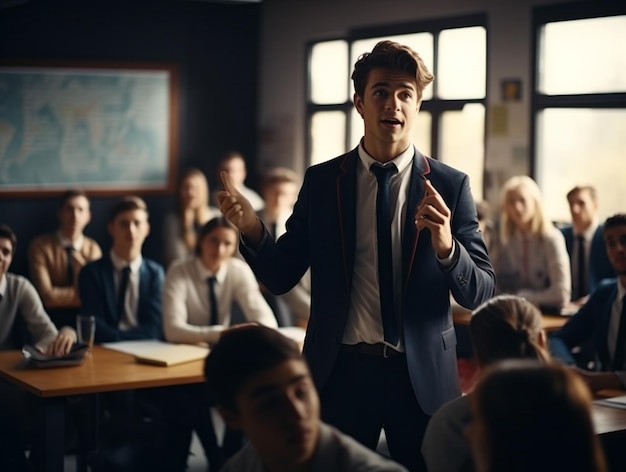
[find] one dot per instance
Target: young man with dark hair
(123, 289)
(602, 319)
(388, 234)
(56, 258)
(262, 386)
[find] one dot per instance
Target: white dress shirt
(131, 302)
(186, 311)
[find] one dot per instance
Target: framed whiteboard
(105, 128)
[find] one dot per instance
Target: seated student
(180, 227)
(601, 319)
(22, 320)
(262, 385)
(198, 297)
(505, 327)
(123, 289)
(532, 417)
(585, 243)
(234, 165)
(279, 189)
(532, 259)
(56, 258)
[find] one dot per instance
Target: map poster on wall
(102, 129)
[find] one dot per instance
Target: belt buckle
(385, 354)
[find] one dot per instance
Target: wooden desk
(103, 371)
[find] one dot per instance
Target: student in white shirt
(188, 317)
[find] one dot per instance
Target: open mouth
(392, 122)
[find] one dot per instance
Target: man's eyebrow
(265, 389)
(408, 85)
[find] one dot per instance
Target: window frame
(435, 106)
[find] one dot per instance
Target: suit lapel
(420, 166)
(346, 202)
(109, 288)
(144, 288)
(605, 322)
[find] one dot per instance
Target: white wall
(287, 25)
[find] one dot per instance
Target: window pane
(583, 56)
(329, 77)
(328, 131)
(462, 143)
(420, 134)
(462, 63)
(422, 43)
(593, 154)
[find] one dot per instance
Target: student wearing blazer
(367, 381)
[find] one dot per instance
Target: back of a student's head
(241, 353)
(529, 416)
(507, 327)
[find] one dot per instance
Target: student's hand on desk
(63, 343)
(238, 210)
(434, 214)
(599, 380)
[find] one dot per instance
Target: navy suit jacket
(599, 265)
(97, 296)
(321, 233)
(591, 321)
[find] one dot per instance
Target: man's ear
(230, 417)
(358, 104)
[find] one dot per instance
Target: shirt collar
(119, 263)
(589, 232)
(205, 273)
(401, 161)
(621, 290)
(77, 244)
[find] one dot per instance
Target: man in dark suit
(585, 244)
(602, 319)
(123, 289)
(384, 258)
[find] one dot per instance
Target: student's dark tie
(385, 258)
(121, 292)
(620, 345)
(69, 249)
(213, 320)
(582, 268)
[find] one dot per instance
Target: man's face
(281, 196)
(615, 239)
(6, 256)
(193, 192)
(389, 108)
(583, 209)
(236, 169)
(278, 410)
(129, 230)
(520, 207)
(217, 247)
(74, 215)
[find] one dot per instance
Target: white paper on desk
(613, 402)
(160, 352)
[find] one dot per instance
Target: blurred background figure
(234, 164)
(532, 260)
(589, 261)
(531, 417)
(279, 189)
(180, 227)
(487, 227)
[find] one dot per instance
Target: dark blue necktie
(212, 301)
(385, 257)
(121, 293)
(581, 289)
(70, 264)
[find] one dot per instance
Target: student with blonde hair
(532, 417)
(505, 327)
(532, 260)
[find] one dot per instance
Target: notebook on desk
(159, 352)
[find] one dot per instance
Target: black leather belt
(378, 349)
